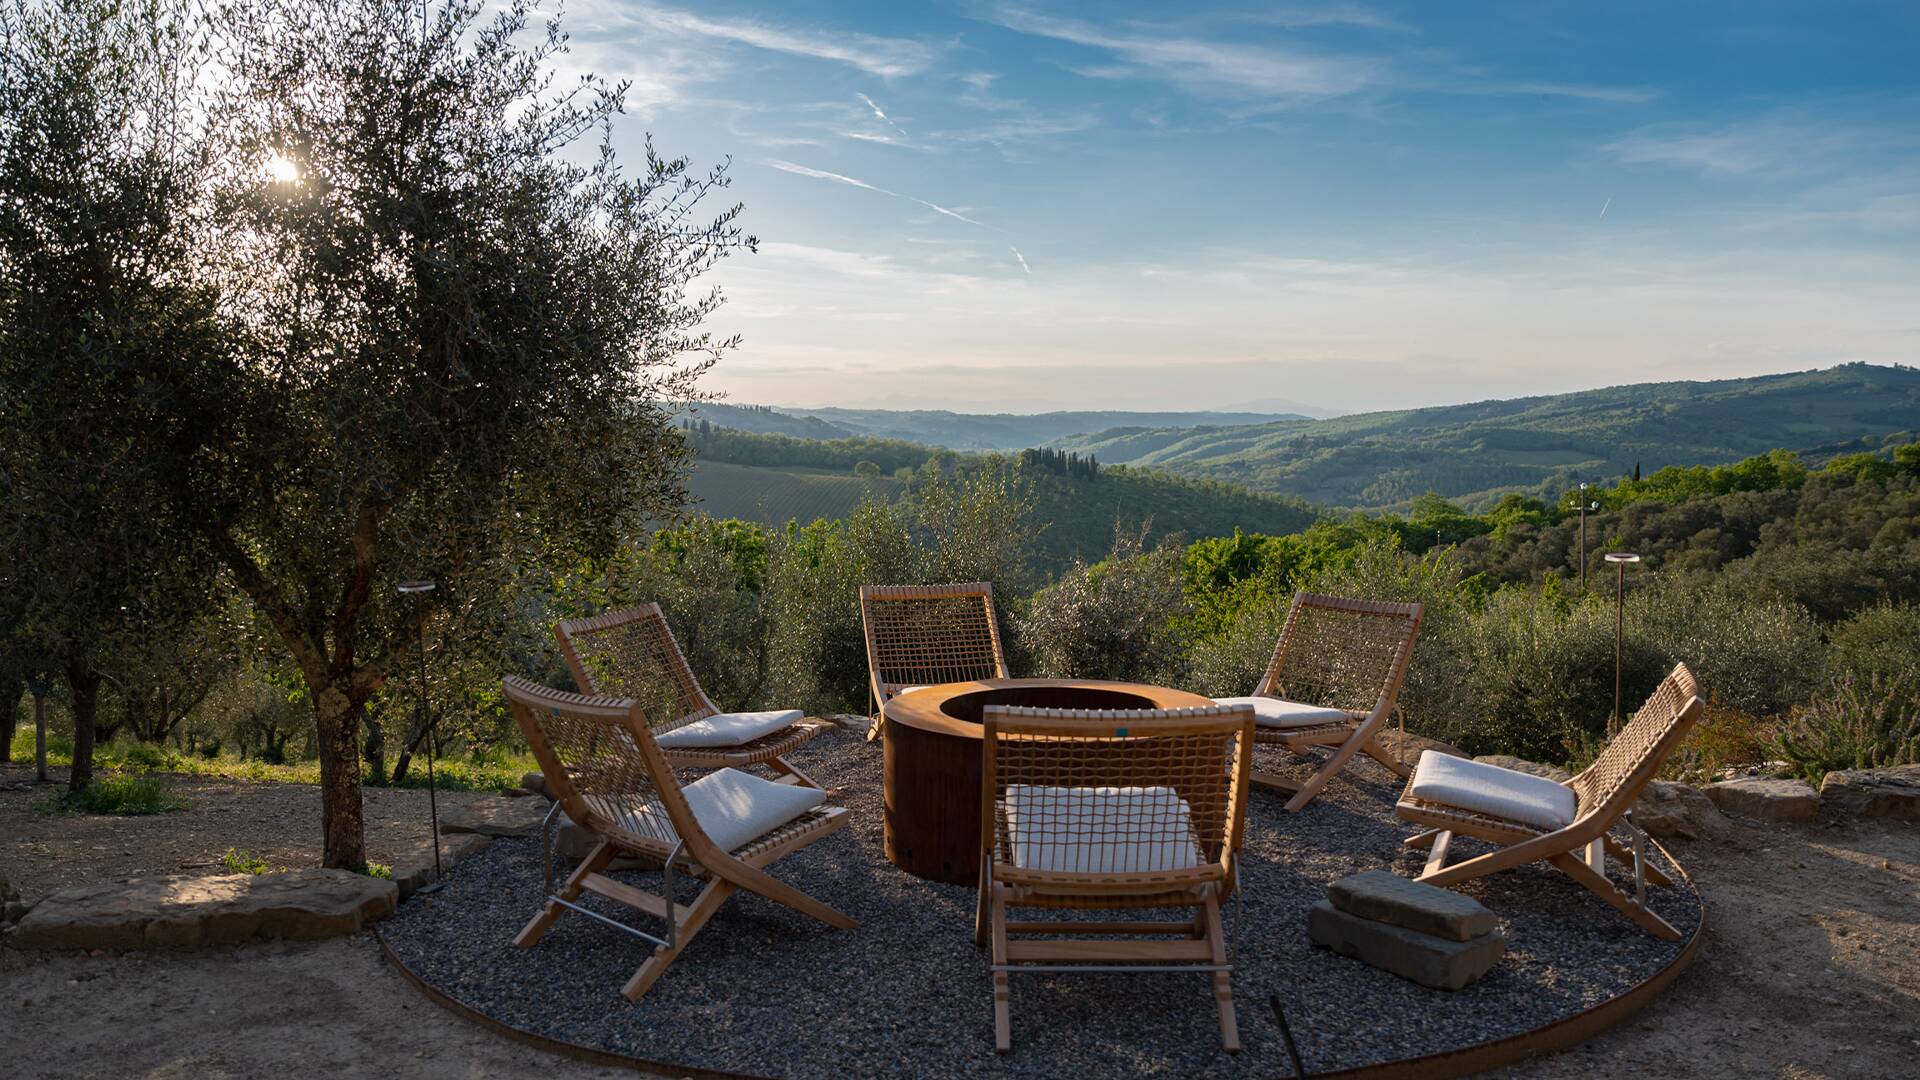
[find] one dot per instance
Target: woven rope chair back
(1341, 653)
(1129, 801)
(632, 653)
(1633, 756)
(924, 635)
(600, 761)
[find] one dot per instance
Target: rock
(1427, 960)
(1888, 793)
(537, 784)
(573, 843)
(413, 868)
(1766, 799)
(7, 891)
(13, 911)
(497, 817)
(1414, 746)
(1506, 761)
(850, 721)
(1668, 809)
(1387, 897)
(185, 912)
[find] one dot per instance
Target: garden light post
(1619, 559)
(418, 590)
(1583, 504)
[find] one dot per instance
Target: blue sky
(1028, 206)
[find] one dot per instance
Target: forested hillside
(1477, 452)
(773, 479)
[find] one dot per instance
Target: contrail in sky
(822, 174)
(884, 118)
(1603, 208)
(1022, 258)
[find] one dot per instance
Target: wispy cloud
(1022, 258)
(838, 178)
(1223, 68)
(1295, 18)
(882, 56)
(1621, 95)
(878, 112)
(1748, 146)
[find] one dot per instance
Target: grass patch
(121, 794)
(241, 862)
(493, 772)
(377, 869)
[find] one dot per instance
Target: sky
(1044, 205)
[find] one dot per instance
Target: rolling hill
(1476, 452)
(959, 431)
(773, 479)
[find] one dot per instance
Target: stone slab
(1383, 896)
(1668, 809)
(1508, 761)
(496, 817)
(413, 868)
(184, 912)
(537, 784)
(1423, 958)
(1892, 792)
(1415, 745)
(1767, 799)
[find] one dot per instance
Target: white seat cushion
(736, 808)
(1492, 790)
(729, 729)
(1277, 713)
(1100, 830)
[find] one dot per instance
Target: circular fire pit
(932, 781)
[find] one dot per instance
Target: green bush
(1880, 642)
(119, 794)
(241, 862)
(1855, 726)
(1122, 619)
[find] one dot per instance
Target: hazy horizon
(992, 207)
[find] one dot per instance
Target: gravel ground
(765, 990)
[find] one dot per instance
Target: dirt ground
(1811, 968)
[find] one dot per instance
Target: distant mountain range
(1474, 453)
(959, 431)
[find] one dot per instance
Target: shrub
(1119, 619)
(241, 862)
(138, 757)
(119, 794)
(1855, 726)
(1724, 736)
(1880, 642)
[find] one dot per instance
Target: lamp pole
(1584, 504)
(1619, 559)
(417, 591)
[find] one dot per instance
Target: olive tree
(464, 323)
(109, 351)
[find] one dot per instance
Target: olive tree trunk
(85, 683)
(10, 692)
(336, 714)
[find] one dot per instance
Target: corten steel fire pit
(932, 740)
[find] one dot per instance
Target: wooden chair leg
(1325, 773)
(697, 915)
(1437, 858)
(1621, 902)
(981, 921)
(780, 892)
(1491, 862)
(1422, 840)
(1222, 980)
(1274, 781)
(1002, 1018)
(1620, 851)
(791, 775)
(597, 860)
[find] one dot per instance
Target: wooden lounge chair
(924, 635)
(1566, 824)
(1333, 682)
(1088, 810)
(631, 652)
(604, 768)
